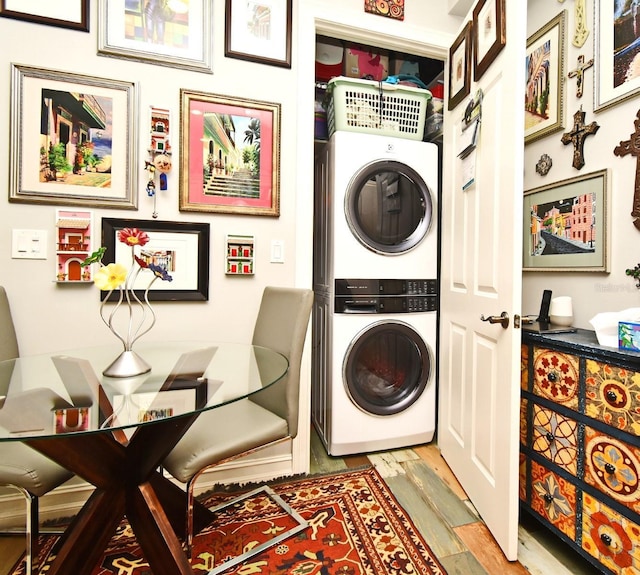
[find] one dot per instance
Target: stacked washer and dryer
(376, 293)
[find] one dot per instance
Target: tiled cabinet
(580, 445)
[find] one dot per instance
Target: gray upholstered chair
(21, 467)
(266, 418)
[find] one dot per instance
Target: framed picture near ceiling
(72, 14)
(230, 160)
(259, 31)
(617, 45)
(544, 90)
(489, 34)
(460, 67)
(180, 247)
(73, 139)
(566, 225)
(173, 33)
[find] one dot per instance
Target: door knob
(502, 319)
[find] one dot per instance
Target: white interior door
(481, 274)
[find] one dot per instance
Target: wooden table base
(127, 482)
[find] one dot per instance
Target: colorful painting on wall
(390, 8)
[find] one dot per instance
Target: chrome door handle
(502, 319)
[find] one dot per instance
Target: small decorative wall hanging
(159, 162)
(578, 73)
(73, 245)
(390, 8)
(632, 147)
(489, 34)
(578, 136)
(239, 258)
(544, 164)
(580, 33)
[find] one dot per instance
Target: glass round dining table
(115, 432)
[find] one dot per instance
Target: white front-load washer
(381, 215)
(374, 386)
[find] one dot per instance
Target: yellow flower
(110, 277)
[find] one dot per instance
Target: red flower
(133, 237)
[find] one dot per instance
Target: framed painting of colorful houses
(177, 34)
(566, 225)
(73, 139)
(230, 155)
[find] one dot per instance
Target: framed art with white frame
(616, 46)
(544, 89)
(73, 139)
(176, 34)
(566, 225)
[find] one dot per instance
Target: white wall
(591, 292)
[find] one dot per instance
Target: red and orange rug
(356, 527)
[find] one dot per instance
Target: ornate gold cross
(580, 34)
(578, 73)
(578, 136)
(632, 146)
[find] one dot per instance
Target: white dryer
(377, 215)
(374, 385)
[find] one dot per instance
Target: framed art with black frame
(259, 31)
(489, 34)
(460, 67)
(73, 14)
(182, 246)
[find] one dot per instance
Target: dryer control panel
(385, 296)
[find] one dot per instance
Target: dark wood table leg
(127, 482)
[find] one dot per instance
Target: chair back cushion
(8, 340)
(282, 325)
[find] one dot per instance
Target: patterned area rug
(356, 527)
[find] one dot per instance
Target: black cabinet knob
(606, 539)
(611, 395)
(552, 377)
(550, 437)
(609, 468)
(548, 497)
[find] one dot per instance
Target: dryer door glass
(386, 368)
(388, 207)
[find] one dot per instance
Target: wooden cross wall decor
(632, 147)
(578, 136)
(578, 73)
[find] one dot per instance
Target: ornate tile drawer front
(612, 466)
(580, 445)
(556, 376)
(554, 499)
(555, 437)
(613, 396)
(611, 538)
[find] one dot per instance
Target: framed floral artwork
(489, 34)
(173, 33)
(544, 90)
(230, 161)
(73, 14)
(73, 139)
(460, 67)
(259, 31)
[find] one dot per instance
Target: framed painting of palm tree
(230, 160)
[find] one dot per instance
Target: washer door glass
(388, 207)
(386, 368)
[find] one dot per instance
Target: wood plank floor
(424, 485)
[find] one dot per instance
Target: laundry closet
(376, 242)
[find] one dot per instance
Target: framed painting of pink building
(566, 225)
(230, 160)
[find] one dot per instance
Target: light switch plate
(29, 244)
(277, 251)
